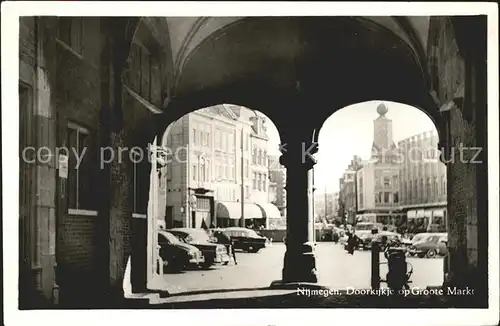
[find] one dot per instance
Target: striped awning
(232, 210)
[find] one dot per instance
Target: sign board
(63, 166)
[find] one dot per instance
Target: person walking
(226, 240)
(352, 242)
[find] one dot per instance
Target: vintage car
(177, 255)
(246, 239)
(429, 245)
(367, 240)
(214, 253)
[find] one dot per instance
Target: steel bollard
(375, 265)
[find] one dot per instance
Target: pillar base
(300, 264)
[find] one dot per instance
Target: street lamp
(192, 208)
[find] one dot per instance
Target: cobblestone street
(336, 268)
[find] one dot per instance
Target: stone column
(45, 126)
(299, 262)
(116, 200)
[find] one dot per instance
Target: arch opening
(213, 164)
(379, 166)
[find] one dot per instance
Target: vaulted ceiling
(324, 61)
(187, 33)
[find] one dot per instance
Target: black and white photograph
(227, 163)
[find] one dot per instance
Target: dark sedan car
(368, 239)
(214, 253)
(246, 239)
(429, 245)
(177, 255)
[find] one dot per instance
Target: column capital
(298, 154)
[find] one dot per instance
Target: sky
(349, 132)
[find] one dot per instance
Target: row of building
(402, 185)
(219, 159)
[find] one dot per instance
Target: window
(208, 170)
(421, 189)
(428, 190)
(247, 168)
(79, 187)
(254, 180)
(387, 181)
(202, 171)
(70, 31)
(195, 136)
(217, 139)
(254, 156)
(224, 141)
(146, 64)
(264, 158)
(264, 183)
(410, 191)
(395, 197)
(387, 197)
(195, 170)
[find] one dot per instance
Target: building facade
(423, 183)
(277, 174)
(348, 192)
(378, 178)
(218, 155)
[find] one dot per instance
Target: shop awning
(420, 213)
(269, 211)
(412, 214)
(428, 213)
(439, 213)
(232, 210)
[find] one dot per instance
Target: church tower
(383, 145)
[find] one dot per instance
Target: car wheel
(421, 255)
(254, 250)
(431, 253)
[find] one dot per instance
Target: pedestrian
(226, 240)
(351, 242)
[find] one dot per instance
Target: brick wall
(453, 67)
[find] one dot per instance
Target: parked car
(429, 245)
(214, 253)
(246, 239)
(367, 240)
(178, 255)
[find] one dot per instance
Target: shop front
(427, 220)
(228, 214)
(270, 214)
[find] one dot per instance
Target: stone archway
(295, 86)
(288, 81)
